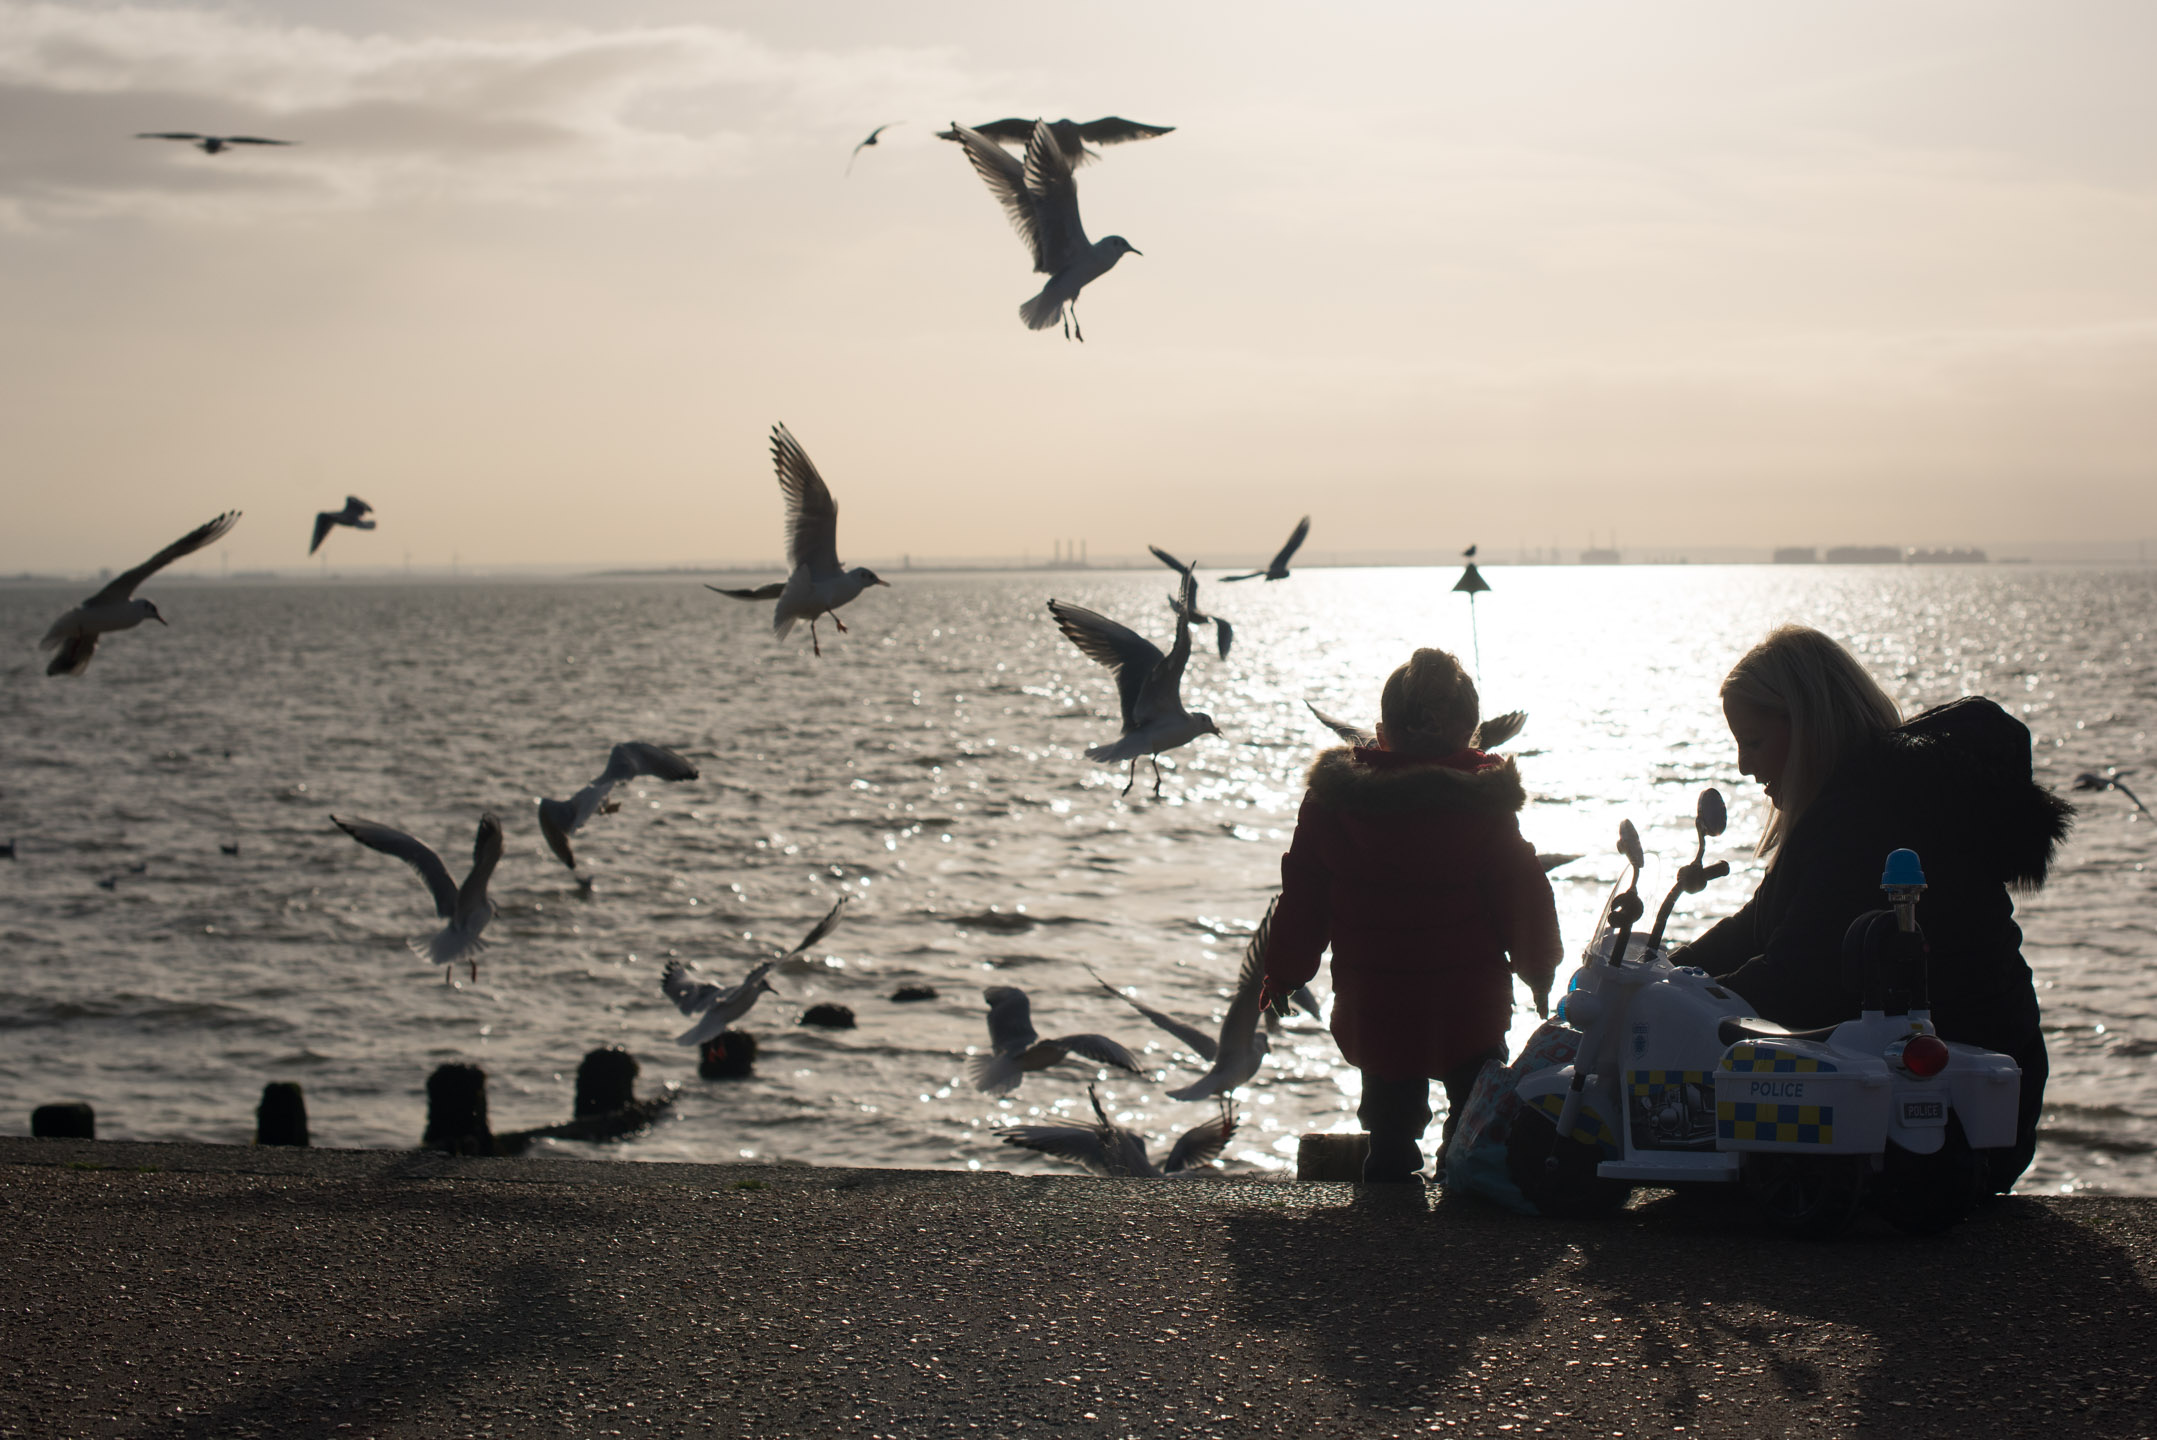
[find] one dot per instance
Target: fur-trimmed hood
(1341, 781)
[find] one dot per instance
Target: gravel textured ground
(168, 1290)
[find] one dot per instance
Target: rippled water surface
(929, 766)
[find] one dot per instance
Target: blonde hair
(1429, 705)
(1832, 703)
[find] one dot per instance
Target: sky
(539, 278)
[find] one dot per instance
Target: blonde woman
(1849, 781)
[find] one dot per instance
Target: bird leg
(813, 645)
(475, 970)
(1156, 775)
(840, 623)
(1076, 328)
(1134, 776)
(449, 976)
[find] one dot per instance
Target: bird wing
(1161, 695)
(1083, 1143)
(1497, 730)
(688, 995)
(255, 140)
(632, 758)
(356, 507)
(1224, 635)
(324, 519)
(1129, 656)
(1201, 1143)
(1100, 1048)
(1054, 186)
(1006, 177)
(1341, 728)
(1011, 1022)
(123, 585)
(1115, 130)
(762, 592)
(1241, 1021)
(1011, 131)
(1280, 561)
(812, 516)
(1169, 560)
(424, 862)
(823, 927)
(168, 135)
(486, 854)
(1200, 1042)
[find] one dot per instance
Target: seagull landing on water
(1277, 569)
(211, 144)
(723, 1005)
(1240, 1047)
(354, 514)
(817, 586)
(75, 634)
(1108, 1149)
(560, 819)
(1224, 635)
(465, 907)
(1016, 1049)
(1071, 137)
(1148, 684)
(866, 144)
(1041, 199)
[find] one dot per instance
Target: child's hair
(1832, 703)
(1429, 706)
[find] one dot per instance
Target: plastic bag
(1475, 1161)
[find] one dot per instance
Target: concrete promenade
(197, 1291)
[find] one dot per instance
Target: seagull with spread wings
(864, 145)
(75, 634)
(1071, 136)
(210, 144)
(1277, 568)
(1016, 1048)
(1108, 1149)
(724, 1004)
(465, 907)
(1041, 198)
(1224, 634)
(354, 515)
(818, 585)
(1237, 1050)
(560, 819)
(1148, 684)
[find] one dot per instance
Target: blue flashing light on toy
(1903, 872)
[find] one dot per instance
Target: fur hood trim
(1340, 782)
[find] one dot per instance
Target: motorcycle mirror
(1709, 817)
(1629, 844)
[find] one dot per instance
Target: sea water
(929, 767)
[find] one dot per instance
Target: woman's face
(1763, 738)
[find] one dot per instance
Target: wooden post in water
(730, 1055)
(606, 1082)
(281, 1118)
(76, 1121)
(457, 1111)
(1331, 1157)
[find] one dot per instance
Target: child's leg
(1459, 1085)
(1396, 1113)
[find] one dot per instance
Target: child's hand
(1542, 1003)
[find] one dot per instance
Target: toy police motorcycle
(1674, 1082)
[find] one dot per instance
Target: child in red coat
(1408, 860)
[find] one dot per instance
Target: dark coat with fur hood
(1953, 784)
(1416, 873)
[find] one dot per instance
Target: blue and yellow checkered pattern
(1589, 1128)
(1767, 1060)
(1654, 1082)
(1783, 1124)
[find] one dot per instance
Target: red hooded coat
(1414, 870)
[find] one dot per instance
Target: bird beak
(885, 583)
(162, 621)
(1136, 251)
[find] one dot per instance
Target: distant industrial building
(1865, 555)
(1797, 555)
(1600, 556)
(1947, 557)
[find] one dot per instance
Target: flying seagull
(865, 145)
(1015, 1048)
(1041, 199)
(723, 1005)
(75, 634)
(1108, 1149)
(466, 908)
(1240, 1046)
(1224, 635)
(560, 819)
(354, 514)
(210, 144)
(1148, 684)
(1071, 137)
(817, 586)
(1278, 569)
(2091, 780)
(1488, 735)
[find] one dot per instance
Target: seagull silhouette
(1106, 1148)
(354, 514)
(1016, 1048)
(2091, 780)
(1041, 199)
(210, 144)
(560, 819)
(1149, 685)
(867, 143)
(817, 586)
(1071, 137)
(1277, 569)
(1469, 553)
(75, 634)
(1239, 1048)
(466, 907)
(1224, 634)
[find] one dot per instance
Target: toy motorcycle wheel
(1925, 1194)
(1572, 1189)
(1811, 1196)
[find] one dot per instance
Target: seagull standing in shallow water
(75, 634)
(465, 907)
(1148, 683)
(1071, 136)
(1041, 199)
(560, 819)
(1015, 1048)
(817, 586)
(1108, 1149)
(354, 514)
(1278, 568)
